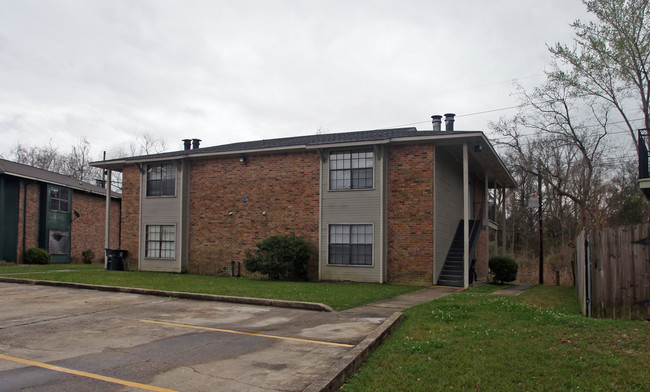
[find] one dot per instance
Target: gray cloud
(226, 71)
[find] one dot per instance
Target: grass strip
(339, 296)
(537, 341)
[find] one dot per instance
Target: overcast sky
(227, 71)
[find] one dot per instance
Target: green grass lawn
(537, 341)
(339, 296)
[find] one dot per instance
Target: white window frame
(348, 170)
(166, 175)
(349, 241)
(157, 252)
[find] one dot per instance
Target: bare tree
(147, 143)
(44, 157)
(77, 163)
(559, 137)
(610, 60)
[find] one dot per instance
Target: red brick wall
(130, 214)
(31, 220)
(284, 185)
(88, 230)
(481, 259)
(410, 214)
(480, 250)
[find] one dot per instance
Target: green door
(9, 195)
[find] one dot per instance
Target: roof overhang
(69, 185)
(483, 157)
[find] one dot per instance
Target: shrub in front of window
(37, 256)
(87, 256)
(281, 257)
(504, 269)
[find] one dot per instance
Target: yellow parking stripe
(85, 374)
(247, 333)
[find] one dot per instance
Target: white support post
(503, 233)
(465, 216)
(107, 235)
(486, 217)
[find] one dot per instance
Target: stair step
(453, 283)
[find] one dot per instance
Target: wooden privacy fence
(613, 272)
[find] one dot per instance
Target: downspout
(465, 217)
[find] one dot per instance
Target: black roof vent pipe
(195, 143)
(436, 120)
(186, 144)
(449, 122)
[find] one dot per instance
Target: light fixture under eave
(242, 159)
(478, 148)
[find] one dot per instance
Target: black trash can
(115, 259)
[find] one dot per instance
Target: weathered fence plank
(620, 272)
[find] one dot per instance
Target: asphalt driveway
(64, 339)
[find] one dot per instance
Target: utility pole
(541, 231)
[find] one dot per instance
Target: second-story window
(351, 169)
(161, 180)
(59, 199)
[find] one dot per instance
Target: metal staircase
(453, 269)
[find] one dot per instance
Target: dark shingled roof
(489, 159)
(310, 140)
(24, 171)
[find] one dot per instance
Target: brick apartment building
(65, 216)
(386, 205)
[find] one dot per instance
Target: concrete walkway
(513, 290)
(401, 302)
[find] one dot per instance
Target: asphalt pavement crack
(238, 381)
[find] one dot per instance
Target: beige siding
(448, 203)
(165, 210)
(353, 207)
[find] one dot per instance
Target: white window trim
(146, 233)
(372, 246)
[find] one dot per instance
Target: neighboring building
(40, 208)
(377, 206)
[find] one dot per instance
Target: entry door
(58, 223)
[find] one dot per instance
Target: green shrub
(282, 257)
(37, 256)
(87, 256)
(504, 269)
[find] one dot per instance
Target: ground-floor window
(161, 242)
(350, 244)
